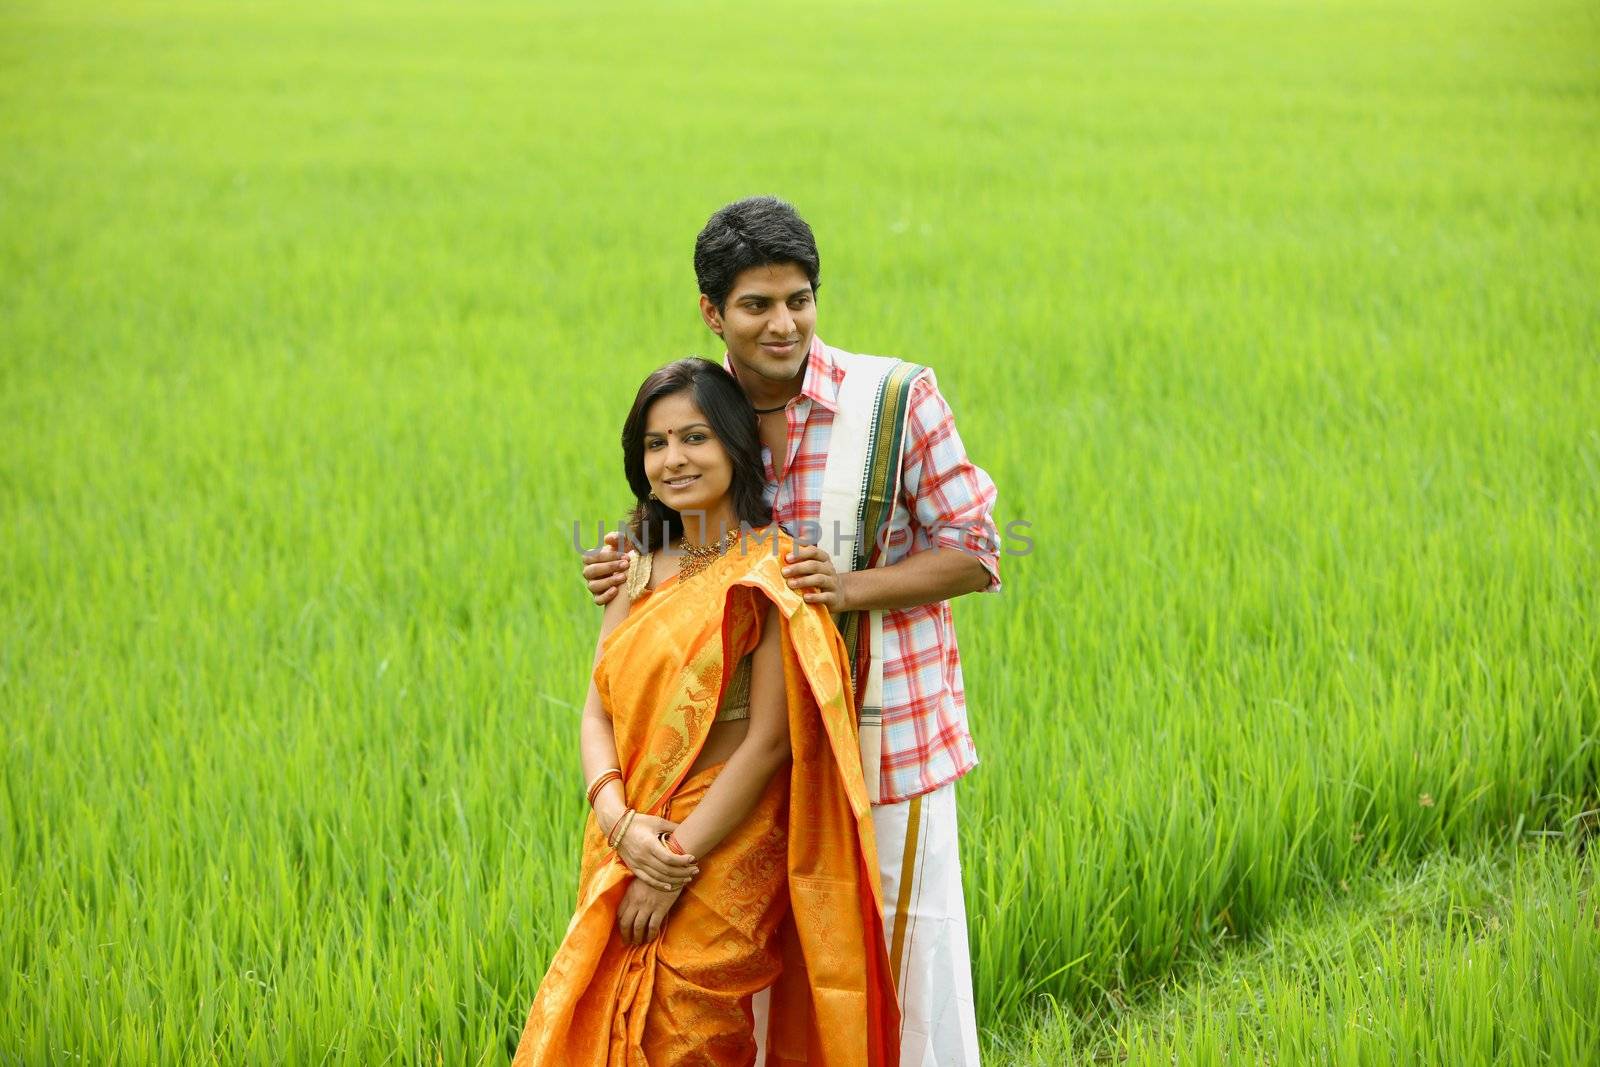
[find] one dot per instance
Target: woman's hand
(643, 911)
(650, 860)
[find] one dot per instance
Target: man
(758, 269)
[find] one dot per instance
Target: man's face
(768, 321)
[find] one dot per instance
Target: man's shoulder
(874, 372)
(848, 361)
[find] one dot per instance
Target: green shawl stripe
(883, 468)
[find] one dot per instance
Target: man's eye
(799, 301)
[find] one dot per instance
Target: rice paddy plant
(1488, 959)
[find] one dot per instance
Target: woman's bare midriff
(721, 741)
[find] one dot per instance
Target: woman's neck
(708, 527)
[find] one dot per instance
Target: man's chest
(794, 469)
(775, 448)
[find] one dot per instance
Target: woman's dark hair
(732, 420)
(759, 231)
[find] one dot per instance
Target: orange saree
(790, 899)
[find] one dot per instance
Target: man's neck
(769, 394)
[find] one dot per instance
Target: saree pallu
(790, 899)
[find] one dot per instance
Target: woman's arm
(765, 748)
(597, 740)
(640, 849)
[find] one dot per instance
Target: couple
(770, 872)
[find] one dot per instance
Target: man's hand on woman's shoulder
(809, 572)
(605, 569)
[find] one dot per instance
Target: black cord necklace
(769, 411)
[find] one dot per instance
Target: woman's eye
(694, 438)
(652, 444)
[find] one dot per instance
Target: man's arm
(925, 577)
(951, 501)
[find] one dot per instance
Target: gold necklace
(697, 558)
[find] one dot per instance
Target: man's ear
(710, 314)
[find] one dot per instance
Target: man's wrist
(846, 580)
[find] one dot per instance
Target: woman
(730, 845)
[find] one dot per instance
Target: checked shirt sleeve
(951, 499)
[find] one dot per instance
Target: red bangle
(601, 782)
(670, 839)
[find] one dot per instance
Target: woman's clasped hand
(643, 910)
(642, 851)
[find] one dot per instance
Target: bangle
(601, 781)
(670, 839)
(594, 783)
(619, 829)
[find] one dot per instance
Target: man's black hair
(759, 231)
(733, 421)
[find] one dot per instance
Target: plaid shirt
(944, 499)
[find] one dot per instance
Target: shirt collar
(819, 386)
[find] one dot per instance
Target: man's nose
(782, 323)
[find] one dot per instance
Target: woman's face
(687, 466)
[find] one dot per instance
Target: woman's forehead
(674, 413)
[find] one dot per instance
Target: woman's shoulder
(765, 546)
(768, 534)
(762, 552)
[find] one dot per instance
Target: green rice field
(1277, 322)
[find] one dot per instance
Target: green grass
(1492, 959)
(317, 326)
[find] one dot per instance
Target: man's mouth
(679, 483)
(776, 347)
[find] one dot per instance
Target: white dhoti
(925, 922)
